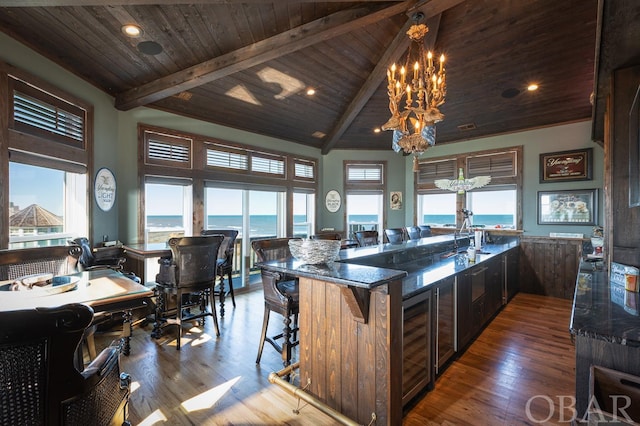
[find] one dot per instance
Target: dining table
(106, 291)
(138, 253)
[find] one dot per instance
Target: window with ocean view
(493, 208)
(364, 212)
(303, 214)
(168, 210)
(437, 209)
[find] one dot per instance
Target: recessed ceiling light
(376, 130)
(311, 91)
(131, 30)
(532, 87)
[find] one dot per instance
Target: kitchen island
(369, 323)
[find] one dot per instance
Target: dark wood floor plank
(525, 351)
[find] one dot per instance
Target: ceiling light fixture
(131, 30)
(421, 85)
(532, 87)
(311, 91)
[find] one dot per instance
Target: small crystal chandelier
(422, 90)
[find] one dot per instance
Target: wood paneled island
(368, 336)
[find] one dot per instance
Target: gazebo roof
(34, 216)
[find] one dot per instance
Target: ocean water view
(266, 225)
(476, 219)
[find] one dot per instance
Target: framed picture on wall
(568, 207)
(396, 200)
(566, 165)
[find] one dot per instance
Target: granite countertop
(604, 310)
(346, 271)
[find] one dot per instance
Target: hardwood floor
(524, 352)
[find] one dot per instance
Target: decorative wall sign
(105, 189)
(332, 201)
(570, 207)
(566, 165)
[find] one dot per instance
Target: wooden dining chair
(225, 263)
(281, 295)
(191, 270)
(366, 238)
(413, 232)
(327, 236)
(43, 383)
(394, 235)
(425, 231)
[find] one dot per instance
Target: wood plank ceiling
(248, 65)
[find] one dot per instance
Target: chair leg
(157, 321)
(286, 344)
(233, 297)
(263, 336)
(179, 319)
(222, 294)
(214, 314)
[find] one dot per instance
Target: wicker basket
(313, 252)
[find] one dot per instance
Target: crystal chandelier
(422, 87)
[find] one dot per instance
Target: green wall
(116, 148)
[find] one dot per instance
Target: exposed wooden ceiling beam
(432, 11)
(274, 47)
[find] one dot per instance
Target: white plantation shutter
(365, 173)
(167, 150)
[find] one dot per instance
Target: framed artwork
(634, 151)
(396, 200)
(566, 165)
(568, 207)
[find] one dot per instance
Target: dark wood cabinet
(493, 277)
(511, 279)
(479, 297)
(445, 326)
(464, 315)
(416, 345)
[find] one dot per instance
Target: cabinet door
(416, 345)
(494, 285)
(445, 302)
(512, 278)
(464, 305)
